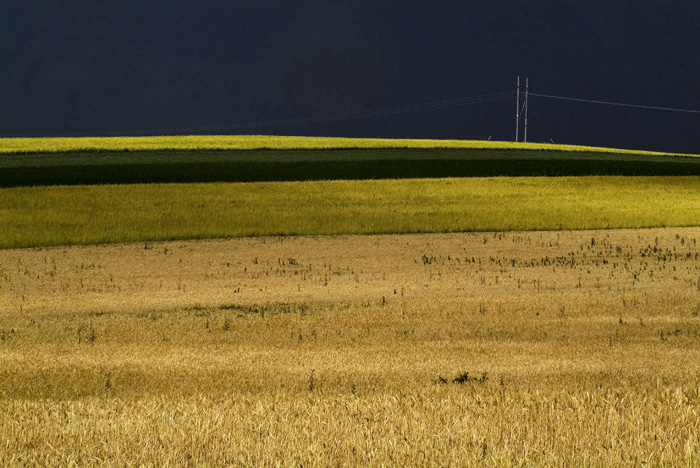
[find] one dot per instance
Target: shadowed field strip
(75, 168)
(64, 215)
(545, 348)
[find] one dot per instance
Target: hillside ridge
(266, 142)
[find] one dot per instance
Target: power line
(373, 113)
(563, 98)
(365, 114)
(485, 98)
(517, 110)
(539, 125)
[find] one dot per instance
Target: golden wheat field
(509, 349)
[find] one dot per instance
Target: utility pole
(527, 91)
(517, 110)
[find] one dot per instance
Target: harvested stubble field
(548, 348)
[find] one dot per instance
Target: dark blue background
(136, 66)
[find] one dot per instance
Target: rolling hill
(68, 161)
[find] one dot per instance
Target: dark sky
(133, 67)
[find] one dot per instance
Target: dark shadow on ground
(266, 165)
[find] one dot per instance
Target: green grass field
(59, 191)
(256, 142)
(249, 159)
(64, 215)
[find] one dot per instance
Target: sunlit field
(252, 142)
(487, 349)
(62, 215)
(206, 301)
